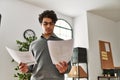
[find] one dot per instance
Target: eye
(46, 23)
(51, 23)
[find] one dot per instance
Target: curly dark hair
(48, 14)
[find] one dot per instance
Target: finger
(24, 70)
(61, 63)
(60, 69)
(65, 63)
(58, 66)
(22, 65)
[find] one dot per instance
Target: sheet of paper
(25, 57)
(60, 50)
(107, 48)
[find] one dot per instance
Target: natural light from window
(63, 29)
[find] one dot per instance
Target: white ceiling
(106, 8)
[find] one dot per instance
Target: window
(63, 29)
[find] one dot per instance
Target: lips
(48, 30)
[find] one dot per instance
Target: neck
(47, 35)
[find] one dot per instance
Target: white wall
(81, 34)
(118, 25)
(81, 31)
(17, 16)
(100, 28)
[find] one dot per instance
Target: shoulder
(35, 42)
(55, 37)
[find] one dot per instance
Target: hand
(23, 67)
(62, 66)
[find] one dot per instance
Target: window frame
(64, 27)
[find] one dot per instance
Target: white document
(107, 48)
(25, 57)
(60, 50)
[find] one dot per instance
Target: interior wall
(118, 24)
(81, 31)
(17, 16)
(100, 28)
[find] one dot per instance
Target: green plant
(22, 76)
(23, 46)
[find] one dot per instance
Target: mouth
(48, 30)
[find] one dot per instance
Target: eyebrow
(47, 22)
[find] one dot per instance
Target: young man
(45, 69)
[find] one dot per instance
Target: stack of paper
(24, 57)
(60, 50)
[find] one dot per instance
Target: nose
(48, 25)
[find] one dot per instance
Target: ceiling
(107, 8)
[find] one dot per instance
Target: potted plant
(23, 46)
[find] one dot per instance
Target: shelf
(108, 77)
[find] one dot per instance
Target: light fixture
(77, 72)
(78, 57)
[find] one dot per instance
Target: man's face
(47, 25)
